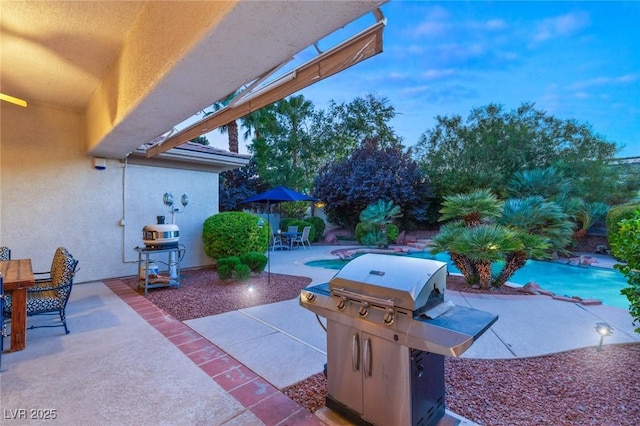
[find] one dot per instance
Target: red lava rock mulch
(581, 387)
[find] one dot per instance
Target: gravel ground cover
(580, 387)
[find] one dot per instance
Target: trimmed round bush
(233, 234)
(254, 260)
(285, 222)
(319, 225)
(242, 272)
(226, 266)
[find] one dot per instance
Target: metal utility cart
(172, 279)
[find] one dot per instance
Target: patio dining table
(287, 238)
(17, 277)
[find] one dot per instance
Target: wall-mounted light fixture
(604, 330)
(167, 199)
(99, 163)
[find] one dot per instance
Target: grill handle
(355, 352)
(367, 358)
(387, 303)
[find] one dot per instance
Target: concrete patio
(127, 362)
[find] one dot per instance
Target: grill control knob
(389, 316)
(342, 303)
(310, 296)
(364, 309)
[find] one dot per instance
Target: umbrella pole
(268, 241)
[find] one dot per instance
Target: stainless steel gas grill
(388, 330)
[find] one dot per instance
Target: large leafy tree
(238, 184)
(347, 187)
(285, 152)
(342, 127)
(492, 144)
(485, 231)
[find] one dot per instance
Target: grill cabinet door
(344, 365)
(386, 381)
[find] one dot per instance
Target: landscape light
(603, 329)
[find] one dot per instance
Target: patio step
(422, 244)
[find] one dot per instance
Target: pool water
(564, 280)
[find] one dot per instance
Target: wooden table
(17, 277)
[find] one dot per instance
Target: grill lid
(405, 282)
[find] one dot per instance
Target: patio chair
(3, 328)
(304, 238)
(5, 253)
(50, 295)
(292, 230)
(276, 242)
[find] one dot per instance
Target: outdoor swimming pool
(565, 280)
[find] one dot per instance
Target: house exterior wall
(51, 195)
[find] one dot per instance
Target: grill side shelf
(461, 319)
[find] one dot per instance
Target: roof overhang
(191, 156)
(143, 67)
(362, 46)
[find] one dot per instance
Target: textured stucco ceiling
(138, 68)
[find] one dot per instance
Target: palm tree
(471, 207)
(537, 216)
(231, 128)
(256, 122)
(487, 230)
(549, 183)
(376, 217)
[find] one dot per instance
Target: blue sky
(577, 60)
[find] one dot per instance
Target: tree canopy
(487, 149)
(371, 173)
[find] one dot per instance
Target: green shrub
(614, 216)
(233, 233)
(361, 231)
(295, 209)
(226, 266)
(392, 232)
(242, 272)
(367, 235)
(628, 249)
(319, 226)
(256, 261)
(225, 272)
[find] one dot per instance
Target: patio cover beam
(362, 46)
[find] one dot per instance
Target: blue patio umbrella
(276, 195)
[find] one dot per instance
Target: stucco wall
(50, 196)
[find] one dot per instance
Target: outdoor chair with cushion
(304, 238)
(292, 230)
(50, 295)
(5, 253)
(3, 329)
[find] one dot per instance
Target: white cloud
(415, 90)
(435, 74)
(604, 81)
(561, 26)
